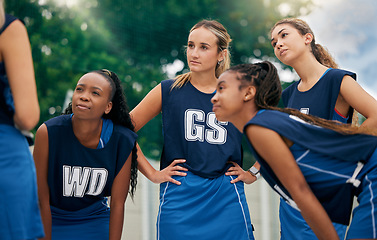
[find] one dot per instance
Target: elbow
(301, 190)
(117, 206)
(370, 122)
(27, 121)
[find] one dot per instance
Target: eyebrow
(272, 39)
(219, 83)
(82, 84)
(203, 43)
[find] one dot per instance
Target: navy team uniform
(337, 167)
(206, 205)
(20, 217)
(319, 101)
(81, 178)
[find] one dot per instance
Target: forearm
(116, 221)
(46, 219)
(26, 123)
(315, 215)
(144, 166)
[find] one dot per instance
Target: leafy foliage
(135, 38)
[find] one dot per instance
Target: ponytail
(320, 53)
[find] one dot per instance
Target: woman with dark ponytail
(323, 90)
(84, 156)
(317, 166)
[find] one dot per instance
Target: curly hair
(264, 77)
(120, 115)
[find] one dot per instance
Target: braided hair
(120, 115)
(264, 77)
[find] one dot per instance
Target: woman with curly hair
(85, 156)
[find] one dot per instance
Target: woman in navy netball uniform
(85, 156)
(197, 200)
(19, 111)
(316, 165)
(323, 90)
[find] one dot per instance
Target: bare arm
(16, 53)
(274, 150)
(145, 111)
(119, 192)
(148, 108)
(40, 155)
(351, 93)
(160, 176)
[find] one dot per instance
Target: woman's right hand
(165, 175)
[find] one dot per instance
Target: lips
(82, 107)
(282, 51)
(215, 107)
(194, 62)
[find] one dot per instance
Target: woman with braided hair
(315, 165)
(84, 156)
(323, 90)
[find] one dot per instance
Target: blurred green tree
(135, 39)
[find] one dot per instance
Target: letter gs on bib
(199, 127)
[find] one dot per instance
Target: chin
(221, 118)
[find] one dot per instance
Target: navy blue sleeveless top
(6, 98)
(322, 142)
(79, 176)
(320, 100)
(192, 132)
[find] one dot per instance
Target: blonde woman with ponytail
(323, 90)
(196, 197)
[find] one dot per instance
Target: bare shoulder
(16, 28)
(42, 131)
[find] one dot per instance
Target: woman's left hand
(241, 174)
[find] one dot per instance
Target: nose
(214, 99)
(278, 44)
(194, 52)
(84, 96)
